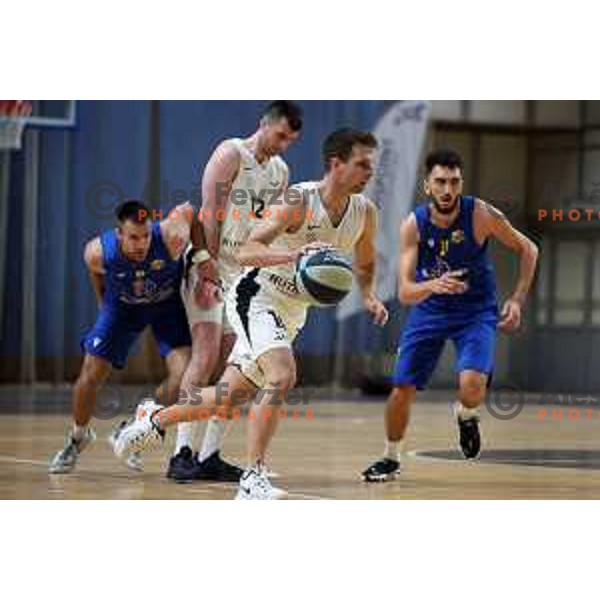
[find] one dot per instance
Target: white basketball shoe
(141, 434)
(134, 460)
(255, 485)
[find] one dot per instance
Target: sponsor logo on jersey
(287, 286)
(458, 236)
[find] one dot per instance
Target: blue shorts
(424, 336)
(118, 326)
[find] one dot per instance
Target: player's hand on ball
(377, 309)
(510, 318)
(313, 247)
(449, 283)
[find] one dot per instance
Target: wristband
(201, 256)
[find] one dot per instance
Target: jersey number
(258, 206)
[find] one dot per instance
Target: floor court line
(185, 488)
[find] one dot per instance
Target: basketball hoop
(11, 132)
(13, 118)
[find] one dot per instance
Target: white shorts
(263, 319)
(216, 314)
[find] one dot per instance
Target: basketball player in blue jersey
(446, 275)
(253, 168)
(136, 272)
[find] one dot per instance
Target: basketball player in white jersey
(240, 179)
(267, 310)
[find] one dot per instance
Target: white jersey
(255, 186)
(317, 227)
(265, 308)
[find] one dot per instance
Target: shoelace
(264, 484)
(72, 446)
(69, 451)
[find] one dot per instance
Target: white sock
(464, 413)
(185, 435)
(392, 450)
(78, 431)
(213, 437)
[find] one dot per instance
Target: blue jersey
(153, 280)
(455, 248)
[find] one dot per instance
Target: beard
(445, 209)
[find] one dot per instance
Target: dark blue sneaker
(183, 466)
(214, 468)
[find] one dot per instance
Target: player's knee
(401, 394)
(281, 378)
(202, 366)
(472, 388)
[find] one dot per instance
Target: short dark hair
(285, 109)
(134, 211)
(339, 144)
(443, 158)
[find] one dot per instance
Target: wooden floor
(322, 458)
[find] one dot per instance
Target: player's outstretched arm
(409, 291)
(365, 259)
(494, 224)
(94, 262)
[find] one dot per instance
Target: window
(571, 258)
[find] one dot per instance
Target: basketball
(325, 277)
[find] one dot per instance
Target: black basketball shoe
(214, 468)
(470, 439)
(182, 467)
(384, 469)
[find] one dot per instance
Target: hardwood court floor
(322, 458)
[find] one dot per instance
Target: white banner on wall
(401, 134)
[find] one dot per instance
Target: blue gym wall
(137, 145)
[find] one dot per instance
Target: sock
(213, 437)
(464, 413)
(256, 465)
(78, 431)
(392, 450)
(185, 435)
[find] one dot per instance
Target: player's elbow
(404, 296)
(530, 250)
(406, 299)
(88, 254)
